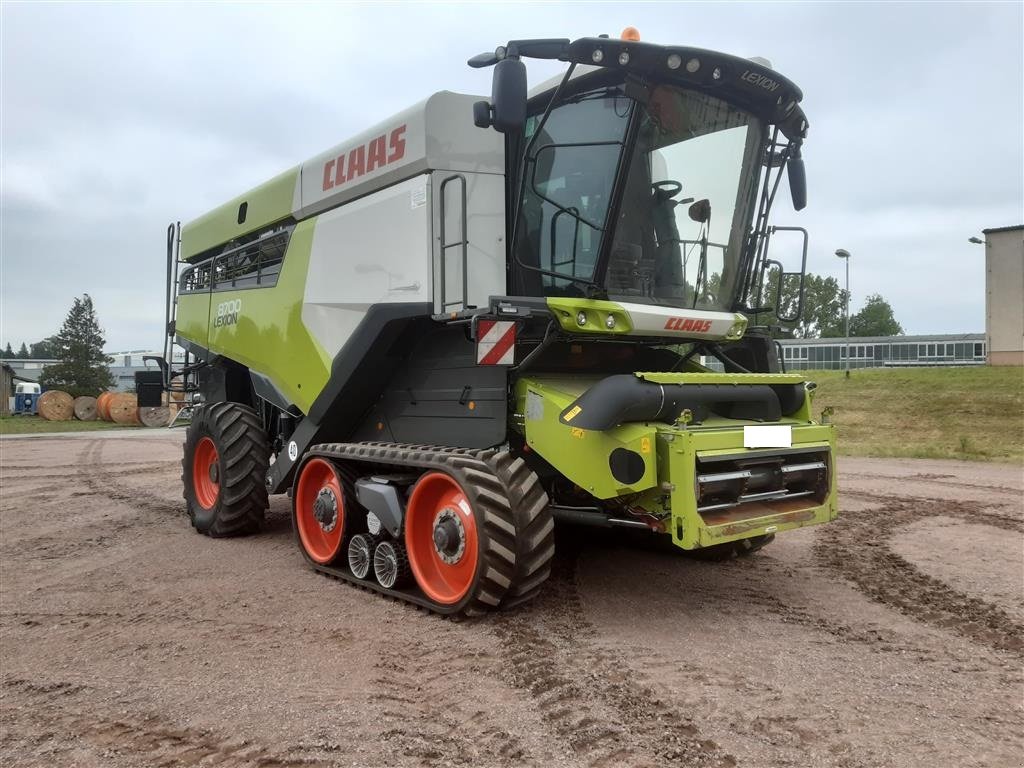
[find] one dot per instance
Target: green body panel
(192, 320)
(268, 335)
(670, 452)
(268, 203)
(581, 455)
(565, 309)
(678, 451)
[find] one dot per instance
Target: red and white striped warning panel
(496, 342)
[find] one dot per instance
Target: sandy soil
(892, 637)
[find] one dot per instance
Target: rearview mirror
(797, 180)
(508, 96)
(700, 211)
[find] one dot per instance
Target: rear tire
(224, 470)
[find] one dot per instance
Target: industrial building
(123, 367)
(1004, 295)
(27, 370)
(884, 351)
(127, 363)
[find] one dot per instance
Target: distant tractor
(481, 317)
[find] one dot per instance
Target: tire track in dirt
(90, 473)
(968, 512)
(856, 546)
(94, 474)
(947, 480)
(591, 698)
(65, 712)
(419, 690)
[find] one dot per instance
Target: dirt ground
(892, 637)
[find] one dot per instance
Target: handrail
(464, 243)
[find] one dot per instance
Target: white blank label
(768, 436)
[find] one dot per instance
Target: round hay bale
(103, 405)
(155, 416)
(55, 405)
(85, 408)
(124, 408)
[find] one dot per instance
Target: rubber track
(516, 531)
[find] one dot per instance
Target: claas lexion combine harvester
(482, 317)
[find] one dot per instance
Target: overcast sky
(117, 119)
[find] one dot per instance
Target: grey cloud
(119, 118)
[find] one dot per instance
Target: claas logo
(687, 324)
(381, 151)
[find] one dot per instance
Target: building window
(979, 350)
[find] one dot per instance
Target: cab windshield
(687, 191)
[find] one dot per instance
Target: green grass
(29, 425)
(947, 413)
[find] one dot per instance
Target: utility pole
(844, 254)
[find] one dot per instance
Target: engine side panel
(375, 250)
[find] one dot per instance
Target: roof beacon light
(632, 34)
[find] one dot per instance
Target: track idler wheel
(360, 554)
(391, 565)
(319, 511)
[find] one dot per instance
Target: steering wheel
(667, 189)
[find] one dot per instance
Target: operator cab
(639, 180)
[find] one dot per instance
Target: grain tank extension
(485, 316)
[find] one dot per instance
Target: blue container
(26, 402)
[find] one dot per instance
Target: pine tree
(82, 369)
(8, 352)
(23, 352)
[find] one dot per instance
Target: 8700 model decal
(227, 313)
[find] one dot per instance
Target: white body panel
(376, 250)
(652, 320)
(436, 134)
(485, 205)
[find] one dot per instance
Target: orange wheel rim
(320, 511)
(441, 538)
(206, 473)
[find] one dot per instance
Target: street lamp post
(844, 254)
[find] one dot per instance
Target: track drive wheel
(442, 539)
(476, 550)
(318, 511)
(224, 470)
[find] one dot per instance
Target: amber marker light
(632, 34)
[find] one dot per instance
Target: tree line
(78, 347)
(823, 310)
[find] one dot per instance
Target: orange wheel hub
(441, 538)
(320, 511)
(206, 473)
